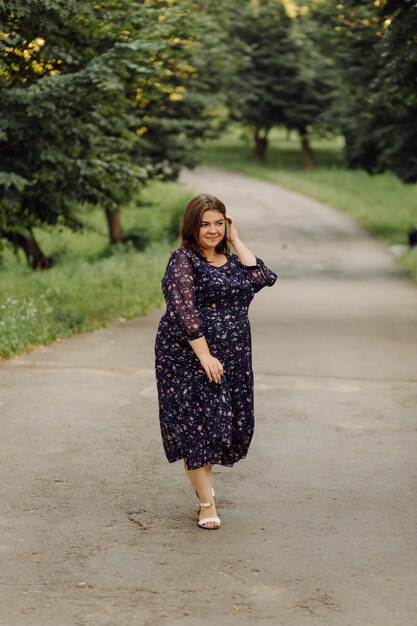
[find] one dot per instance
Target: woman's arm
(258, 274)
(179, 291)
(211, 365)
(245, 255)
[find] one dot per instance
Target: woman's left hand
(232, 232)
(246, 257)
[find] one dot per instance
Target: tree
(175, 101)
(312, 90)
(97, 99)
(396, 86)
(265, 69)
(374, 46)
(180, 106)
(63, 136)
(281, 78)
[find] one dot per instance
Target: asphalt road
(318, 522)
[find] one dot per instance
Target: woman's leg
(208, 468)
(201, 480)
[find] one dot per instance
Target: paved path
(319, 521)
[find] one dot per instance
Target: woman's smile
(212, 228)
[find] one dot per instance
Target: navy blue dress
(204, 422)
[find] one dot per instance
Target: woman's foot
(206, 512)
(201, 481)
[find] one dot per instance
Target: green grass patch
(90, 283)
(382, 203)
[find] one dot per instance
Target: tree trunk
(34, 255)
(308, 156)
(114, 224)
(261, 144)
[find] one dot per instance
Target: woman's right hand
(212, 367)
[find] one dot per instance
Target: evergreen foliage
(374, 46)
(281, 79)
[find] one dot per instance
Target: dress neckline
(226, 254)
(219, 266)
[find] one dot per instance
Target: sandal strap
(204, 520)
(205, 504)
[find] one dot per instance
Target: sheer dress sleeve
(259, 275)
(179, 292)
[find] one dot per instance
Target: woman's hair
(192, 218)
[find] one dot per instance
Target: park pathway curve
(318, 522)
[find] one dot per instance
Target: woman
(203, 348)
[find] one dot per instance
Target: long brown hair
(192, 218)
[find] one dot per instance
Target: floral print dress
(204, 422)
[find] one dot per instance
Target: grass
(90, 283)
(382, 203)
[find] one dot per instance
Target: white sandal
(213, 495)
(205, 520)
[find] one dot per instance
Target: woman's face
(212, 229)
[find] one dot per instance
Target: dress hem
(181, 458)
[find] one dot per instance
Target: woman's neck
(213, 257)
